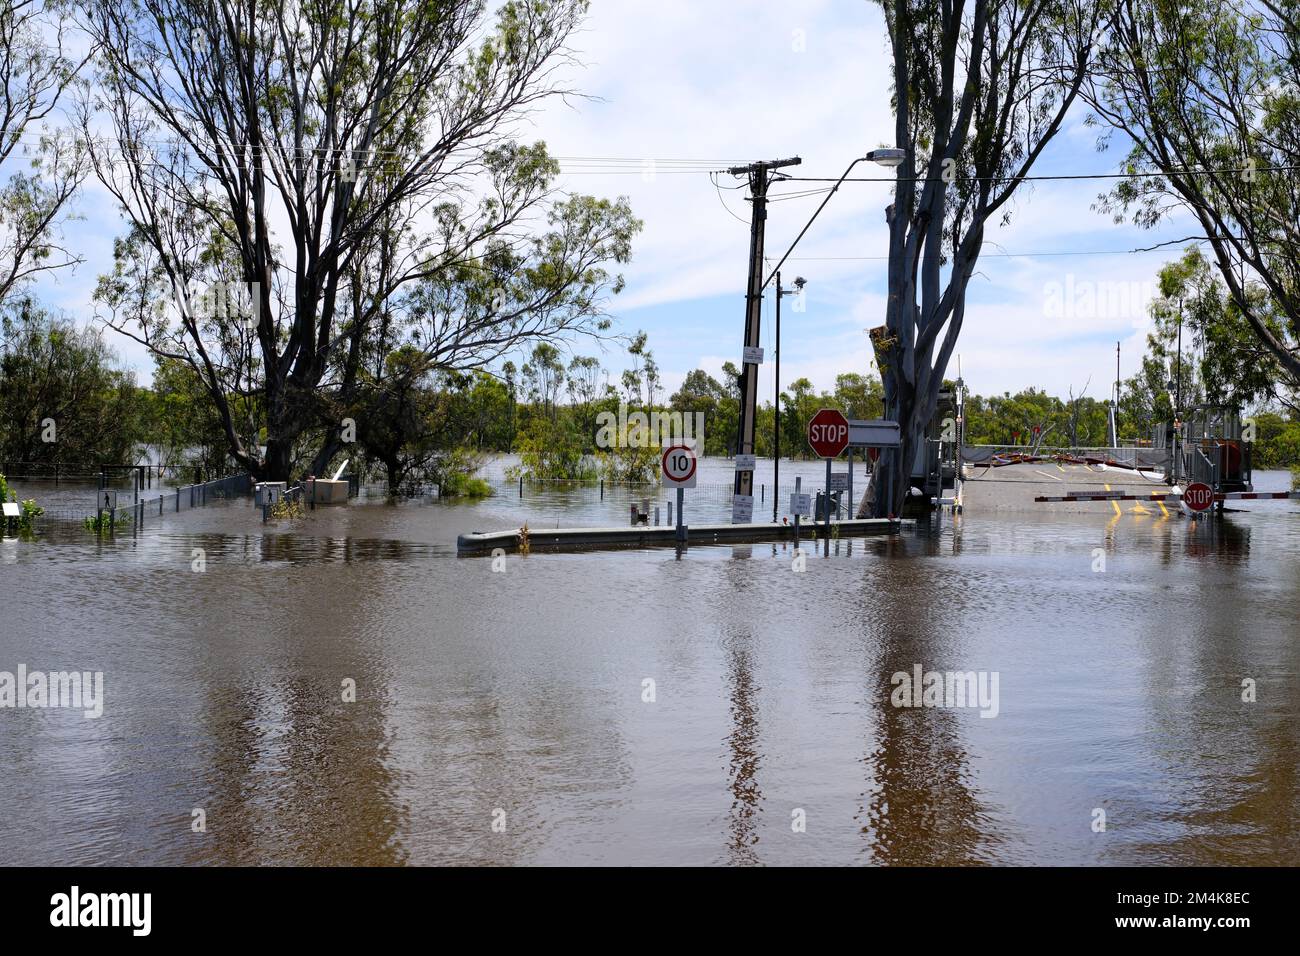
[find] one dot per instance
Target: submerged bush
(30, 510)
(458, 485)
(456, 475)
(103, 522)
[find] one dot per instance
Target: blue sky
(687, 80)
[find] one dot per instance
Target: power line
(714, 179)
(1069, 176)
(1011, 255)
(633, 165)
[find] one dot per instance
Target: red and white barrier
(1177, 498)
(1256, 495)
(1102, 496)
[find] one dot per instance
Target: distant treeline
(64, 400)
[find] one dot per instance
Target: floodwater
(522, 697)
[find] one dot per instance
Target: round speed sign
(678, 467)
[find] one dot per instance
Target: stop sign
(1198, 496)
(828, 433)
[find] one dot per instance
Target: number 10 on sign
(678, 467)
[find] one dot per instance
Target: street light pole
(776, 409)
(882, 157)
(781, 293)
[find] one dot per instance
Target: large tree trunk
(278, 460)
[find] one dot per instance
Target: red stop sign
(828, 433)
(1198, 496)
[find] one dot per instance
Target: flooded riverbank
(766, 735)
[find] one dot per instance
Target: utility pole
(758, 182)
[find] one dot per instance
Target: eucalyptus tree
(44, 167)
(311, 186)
(62, 400)
(980, 88)
(1206, 96)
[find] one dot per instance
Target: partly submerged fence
(612, 500)
(141, 510)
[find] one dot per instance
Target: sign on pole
(840, 481)
(873, 433)
(801, 505)
(746, 462)
(752, 355)
(678, 466)
(828, 433)
(742, 509)
(1198, 496)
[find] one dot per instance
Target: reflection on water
(514, 697)
(744, 743)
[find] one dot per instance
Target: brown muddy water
(520, 696)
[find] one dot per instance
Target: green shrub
(30, 510)
(103, 522)
(458, 485)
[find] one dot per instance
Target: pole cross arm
(765, 164)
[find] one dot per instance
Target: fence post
(521, 486)
(602, 489)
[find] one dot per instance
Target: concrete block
(328, 492)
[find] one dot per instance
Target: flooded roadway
(520, 697)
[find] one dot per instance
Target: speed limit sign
(678, 467)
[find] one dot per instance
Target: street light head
(800, 282)
(887, 156)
